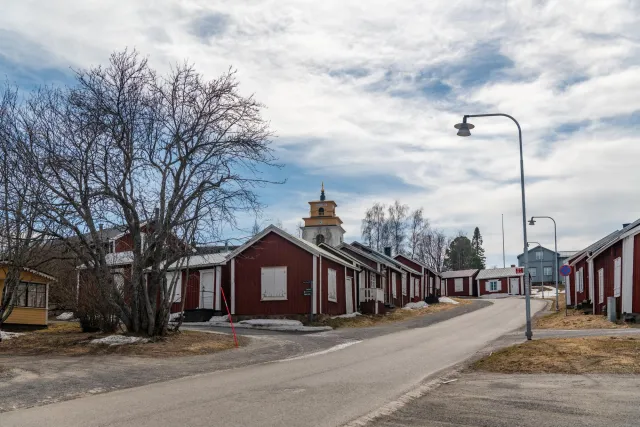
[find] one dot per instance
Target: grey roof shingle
(458, 273)
(496, 273)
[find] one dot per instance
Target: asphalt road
(328, 389)
(549, 400)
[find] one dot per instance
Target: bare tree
(432, 246)
(20, 197)
(170, 160)
(367, 228)
(397, 226)
(417, 225)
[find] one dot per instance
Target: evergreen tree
(459, 254)
(478, 259)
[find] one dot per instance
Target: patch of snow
(218, 319)
(174, 317)
(9, 335)
(447, 300)
(118, 340)
(271, 322)
(67, 315)
(347, 316)
(415, 305)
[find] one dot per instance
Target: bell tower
(322, 225)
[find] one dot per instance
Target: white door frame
(512, 283)
(348, 294)
(206, 293)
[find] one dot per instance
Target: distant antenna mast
(504, 263)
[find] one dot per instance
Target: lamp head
(464, 128)
(532, 221)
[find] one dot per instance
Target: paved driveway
(328, 389)
(498, 400)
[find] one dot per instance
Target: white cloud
(331, 73)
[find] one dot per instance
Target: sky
(363, 96)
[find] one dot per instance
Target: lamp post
(555, 261)
(464, 129)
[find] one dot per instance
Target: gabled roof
(497, 273)
(386, 259)
(593, 247)
(421, 264)
(199, 261)
(458, 273)
(302, 244)
(617, 236)
(342, 254)
(32, 271)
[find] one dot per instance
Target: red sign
(519, 270)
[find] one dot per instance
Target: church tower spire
(323, 225)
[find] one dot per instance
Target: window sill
(30, 308)
(272, 299)
(332, 300)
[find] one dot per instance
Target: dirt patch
(575, 319)
(605, 355)
(69, 340)
(397, 315)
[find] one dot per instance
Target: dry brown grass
(607, 355)
(397, 315)
(69, 340)
(575, 319)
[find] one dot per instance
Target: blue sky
(363, 95)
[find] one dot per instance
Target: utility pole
(504, 263)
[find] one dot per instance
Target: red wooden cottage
(460, 283)
(500, 281)
(371, 293)
(577, 284)
(430, 280)
(201, 293)
(401, 284)
(268, 276)
(612, 271)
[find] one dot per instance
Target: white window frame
(581, 277)
(601, 285)
(404, 284)
(491, 285)
(545, 269)
(373, 280)
(332, 285)
(416, 287)
(533, 271)
(177, 294)
(459, 284)
(617, 277)
(539, 255)
(270, 276)
(394, 291)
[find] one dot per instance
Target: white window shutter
(617, 277)
(499, 284)
(487, 286)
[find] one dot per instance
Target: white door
(515, 285)
(348, 295)
(206, 289)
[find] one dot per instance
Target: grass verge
(575, 319)
(397, 315)
(605, 355)
(69, 340)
